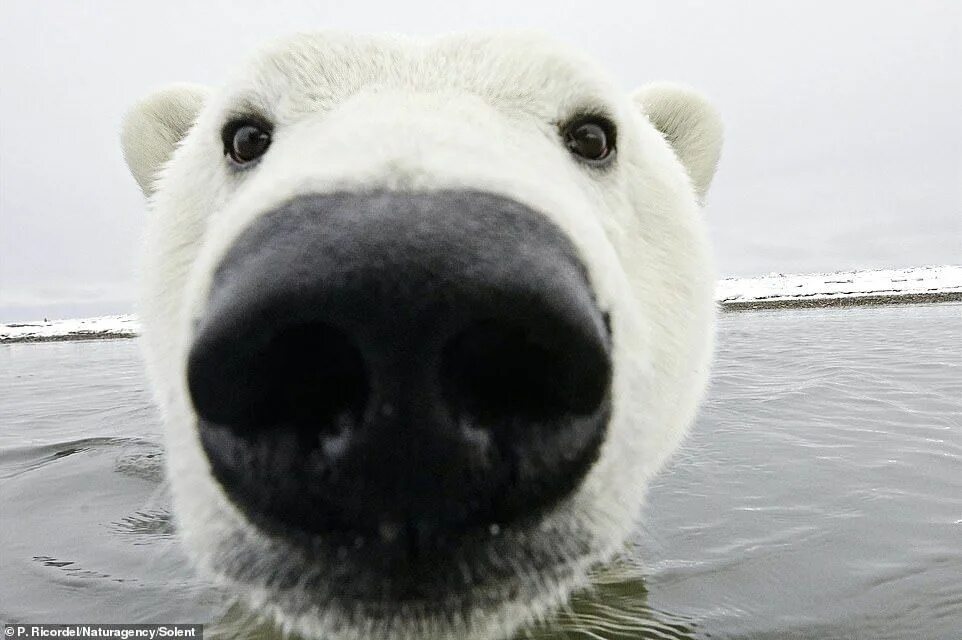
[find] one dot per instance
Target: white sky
(844, 120)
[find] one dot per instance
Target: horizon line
(863, 287)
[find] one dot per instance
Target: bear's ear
(690, 125)
(154, 126)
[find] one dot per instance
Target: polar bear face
(423, 317)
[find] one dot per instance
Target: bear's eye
(246, 141)
(591, 138)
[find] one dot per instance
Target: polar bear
(423, 317)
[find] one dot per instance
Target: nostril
(496, 370)
(309, 377)
(316, 380)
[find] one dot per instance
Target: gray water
(819, 495)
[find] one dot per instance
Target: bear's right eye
(246, 141)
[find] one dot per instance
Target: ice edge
(776, 290)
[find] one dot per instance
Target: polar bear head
(423, 317)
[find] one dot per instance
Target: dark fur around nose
(398, 363)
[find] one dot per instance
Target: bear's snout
(403, 367)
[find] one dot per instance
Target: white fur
(155, 125)
(691, 126)
(478, 111)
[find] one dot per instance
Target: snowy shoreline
(844, 288)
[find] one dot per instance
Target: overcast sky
(844, 120)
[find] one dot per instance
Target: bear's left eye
(591, 138)
(245, 141)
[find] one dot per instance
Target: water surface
(819, 495)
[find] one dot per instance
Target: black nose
(392, 362)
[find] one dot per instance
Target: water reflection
(615, 608)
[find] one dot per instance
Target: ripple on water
(819, 496)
